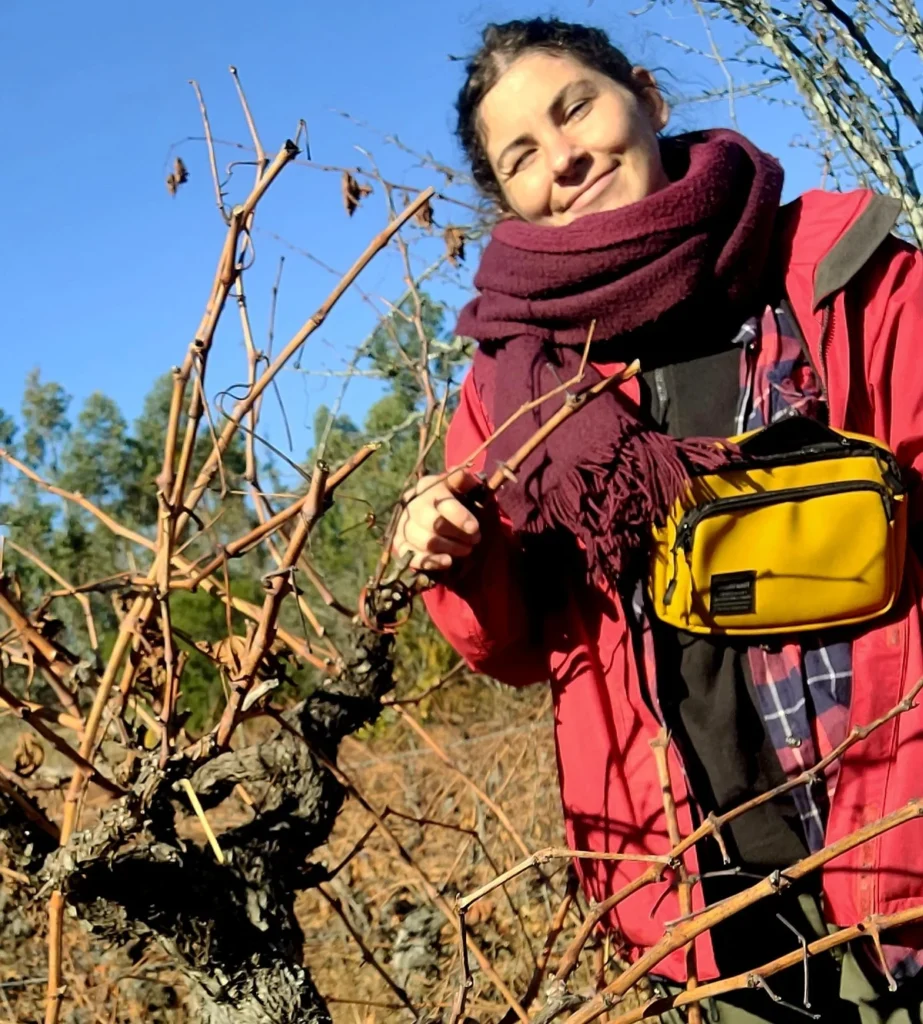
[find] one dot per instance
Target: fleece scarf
(695, 251)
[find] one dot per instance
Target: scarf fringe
(615, 494)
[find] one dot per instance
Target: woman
(742, 313)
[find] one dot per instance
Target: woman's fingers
(446, 527)
(448, 517)
(438, 509)
(428, 541)
(435, 525)
(431, 563)
(422, 560)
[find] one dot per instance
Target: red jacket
(857, 293)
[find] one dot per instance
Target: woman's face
(564, 140)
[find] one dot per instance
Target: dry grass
(502, 741)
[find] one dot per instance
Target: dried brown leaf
(126, 771)
(424, 216)
(28, 756)
(481, 911)
(454, 239)
(178, 176)
(353, 192)
(230, 652)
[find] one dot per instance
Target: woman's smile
(585, 198)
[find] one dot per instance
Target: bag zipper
(685, 533)
(843, 448)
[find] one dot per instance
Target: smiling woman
(743, 314)
(564, 140)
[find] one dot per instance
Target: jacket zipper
(746, 398)
(685, 534)
(826, 333)
(663, 395)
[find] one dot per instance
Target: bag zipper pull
(888, 501)
(892, 479)
(682, 541)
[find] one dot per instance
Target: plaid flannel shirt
(803, 689)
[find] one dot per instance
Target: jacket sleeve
(479, 606)
(892, 312)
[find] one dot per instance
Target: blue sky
(104, 276)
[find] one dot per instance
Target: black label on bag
(733, 593)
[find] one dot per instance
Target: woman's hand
(435, 525)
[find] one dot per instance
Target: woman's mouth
(593, 190)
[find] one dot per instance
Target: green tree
(346, 544)
(114, 466)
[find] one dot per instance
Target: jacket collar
(855, 247)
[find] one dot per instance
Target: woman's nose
(562, 155)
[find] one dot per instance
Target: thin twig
(367, 954)
(870, 926)
(261, 159)
(554, 930)
(9, 785)
(466, 982)
(82, 599)
(34, 719)
(249, 540)
(556, 853)
(203, 820)
(527, 407)
(48, 714)
(687, 930)
(225, 274)
(77, 499)
(212, 161)
(264, 512)
(660, 746)
(712, 827)
(207, 473)
(457, 669)
(497, 810)
(573, 404)
(54, 992)
(47, 656)
(279, 585)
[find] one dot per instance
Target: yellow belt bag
(807, 532)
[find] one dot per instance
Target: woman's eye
(522, 161)
(576, 109)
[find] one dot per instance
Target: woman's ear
(653, 99)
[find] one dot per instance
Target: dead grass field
(370, 931)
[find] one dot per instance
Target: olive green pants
(840, 992)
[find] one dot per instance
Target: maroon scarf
(647, 273)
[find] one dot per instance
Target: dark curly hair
(501, 45)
